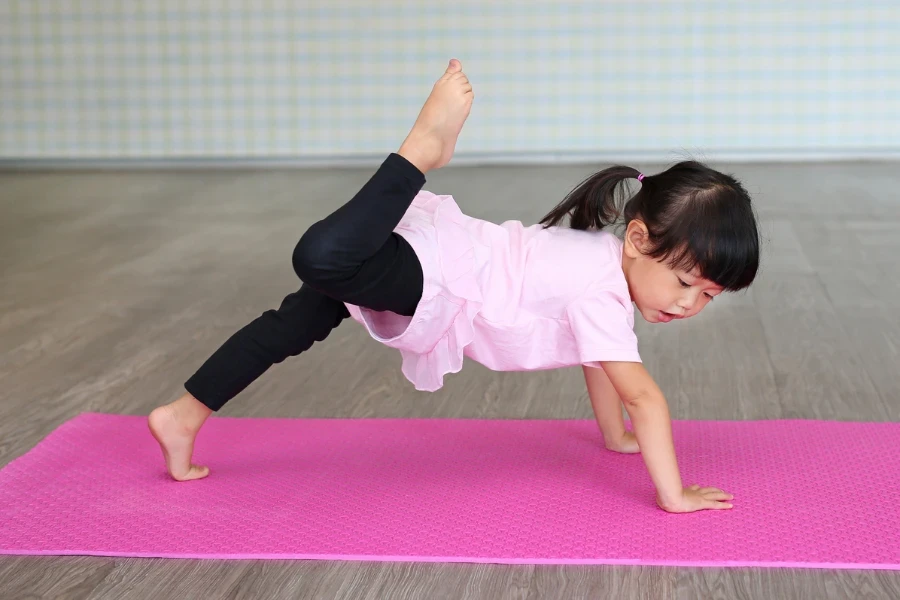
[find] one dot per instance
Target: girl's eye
(711, 297)
(683, 283)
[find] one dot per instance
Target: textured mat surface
(807, 493)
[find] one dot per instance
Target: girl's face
(660, 293)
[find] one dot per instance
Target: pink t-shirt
(511, 297)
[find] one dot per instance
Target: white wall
(275, 79)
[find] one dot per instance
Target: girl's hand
(696, 498)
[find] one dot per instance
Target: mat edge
(456, 559)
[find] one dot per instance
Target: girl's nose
(688, 301)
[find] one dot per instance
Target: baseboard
(462, 159)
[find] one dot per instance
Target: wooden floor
(116, 286)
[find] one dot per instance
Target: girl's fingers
(717, 496)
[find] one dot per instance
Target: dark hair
(695, 215)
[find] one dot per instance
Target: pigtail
(596, 202)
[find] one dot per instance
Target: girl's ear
(636, 238)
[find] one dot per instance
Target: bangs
(717, 236)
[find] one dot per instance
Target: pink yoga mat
(807, 493)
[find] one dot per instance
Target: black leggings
(352, 256)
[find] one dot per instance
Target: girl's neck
(627, 263)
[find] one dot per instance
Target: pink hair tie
(641, 177)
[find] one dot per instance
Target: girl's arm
(649, 413)
(607, 406)
(653, 428)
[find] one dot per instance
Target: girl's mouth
(665, 317)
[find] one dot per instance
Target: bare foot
(432, 139)
(175, 427)
(627, 445)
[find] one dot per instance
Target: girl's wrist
(670, 501)
(614, 438)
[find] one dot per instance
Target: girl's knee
(316, 256)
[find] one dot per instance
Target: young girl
(438, 285)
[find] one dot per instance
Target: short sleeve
(602, 325)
